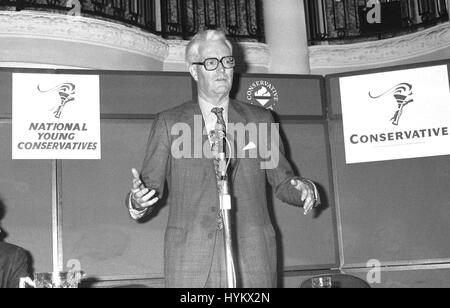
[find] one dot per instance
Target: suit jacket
(194, 201)
(13, 265)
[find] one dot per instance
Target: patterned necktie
(220, 125)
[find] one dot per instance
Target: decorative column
(286, 35)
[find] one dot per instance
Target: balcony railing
(138, 13)
(241, 19)
(339, 21)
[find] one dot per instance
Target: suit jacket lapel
(191, 113)
(235, 116)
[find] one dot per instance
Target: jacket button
(210, 236)
(213, 209)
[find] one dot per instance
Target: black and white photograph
(222, 149)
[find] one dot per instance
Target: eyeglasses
(211, 64)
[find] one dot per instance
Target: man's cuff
(134, 213)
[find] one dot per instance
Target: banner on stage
(396, 115)
(56, 116)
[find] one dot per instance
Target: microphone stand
(225, 206)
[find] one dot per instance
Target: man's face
(216, 83)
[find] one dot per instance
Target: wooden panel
(297, 95)
(25, 196)
(97, 228)
(6, 94)
(98, 231)
(308, 241)
(148, 93)
(393, 210)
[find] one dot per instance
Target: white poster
(56, 116)
(396, 115)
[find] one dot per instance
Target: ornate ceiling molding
(256, 54)
(381, 51)
(176, 51)
(82, 30)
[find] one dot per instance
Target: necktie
(220, 126)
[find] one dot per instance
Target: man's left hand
(308, 196)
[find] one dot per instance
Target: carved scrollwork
(381, 51)
(83, 30)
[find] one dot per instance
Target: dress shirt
(209, 117)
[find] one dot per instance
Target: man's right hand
(141, 197)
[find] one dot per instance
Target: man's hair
(192, 48)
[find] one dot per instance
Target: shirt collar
(206, 107)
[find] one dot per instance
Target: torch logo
(66, 93)
(402, 94)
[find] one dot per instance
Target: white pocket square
(249, 146)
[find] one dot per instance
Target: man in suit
(194, 248)
(13, 265)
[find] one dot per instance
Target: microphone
(218, 139)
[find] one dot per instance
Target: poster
(55, 116)
(396, 115)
